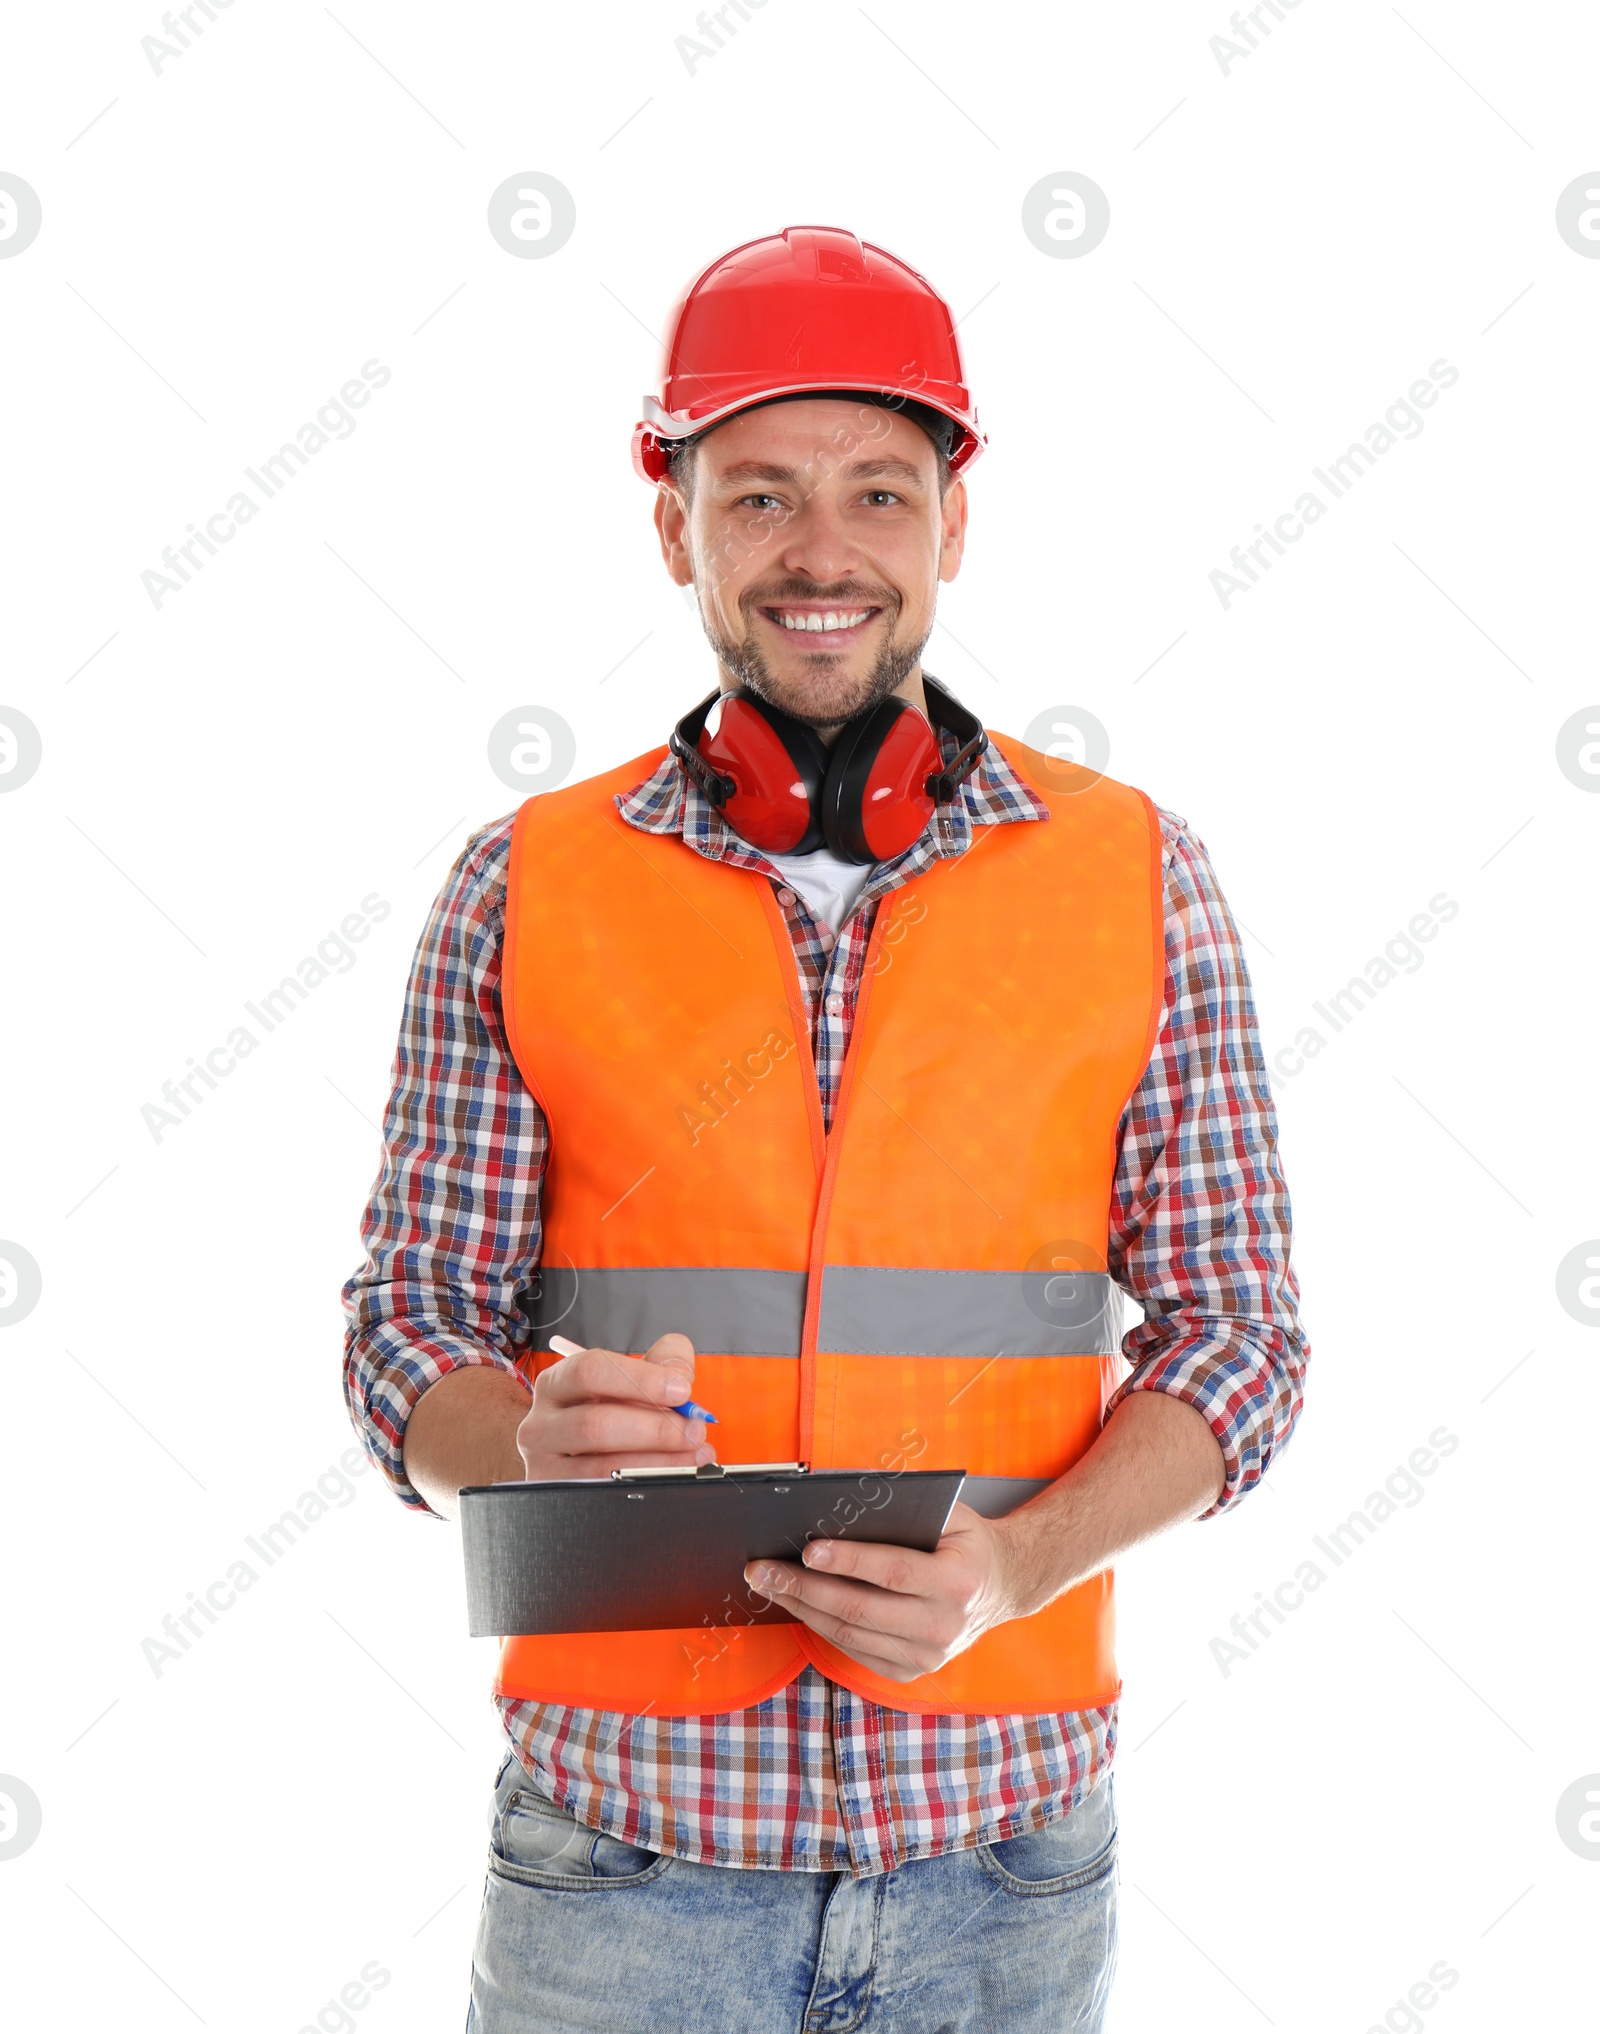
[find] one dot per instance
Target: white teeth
(813, 623)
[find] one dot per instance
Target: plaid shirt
(818, 1778)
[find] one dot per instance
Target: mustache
(845, 593)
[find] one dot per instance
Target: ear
(953, 528)
(672, 527)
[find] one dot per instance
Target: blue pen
(564, 1346)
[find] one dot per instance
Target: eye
(879, 496)
(752, 500)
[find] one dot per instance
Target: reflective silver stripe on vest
(734, 1312)
(866, 1310)
(869, 1311)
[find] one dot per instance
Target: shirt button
(786, 898)
(834, 1004)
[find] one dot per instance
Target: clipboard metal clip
(712, 1472)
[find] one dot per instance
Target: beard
(831, 695)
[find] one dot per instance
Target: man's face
(815, 539)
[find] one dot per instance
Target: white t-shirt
(827, 883)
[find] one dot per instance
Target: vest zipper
(830, 1172)
(825, 1144)
(778, 926)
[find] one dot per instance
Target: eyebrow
(860, 469)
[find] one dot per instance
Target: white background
(226, 777)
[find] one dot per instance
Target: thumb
(675, 1352)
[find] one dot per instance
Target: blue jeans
(580, 1930)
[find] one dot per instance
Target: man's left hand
(901, 1613)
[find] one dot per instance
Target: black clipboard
(658, 1551)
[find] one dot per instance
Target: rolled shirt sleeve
(1200, 1217)
(451, 1228)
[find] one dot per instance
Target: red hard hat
(811, 307)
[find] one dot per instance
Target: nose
(816, 545)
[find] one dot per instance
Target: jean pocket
(535, 1843)
(1077, 1849)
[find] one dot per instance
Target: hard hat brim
(659, 430)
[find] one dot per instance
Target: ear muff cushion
(778, 767)
(875, 802)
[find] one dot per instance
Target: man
(827, 1068)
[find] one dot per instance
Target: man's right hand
(598, 1411)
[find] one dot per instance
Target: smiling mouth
(836, 623)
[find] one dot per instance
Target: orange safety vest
(885, 1295)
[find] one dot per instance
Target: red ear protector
(781, 788)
